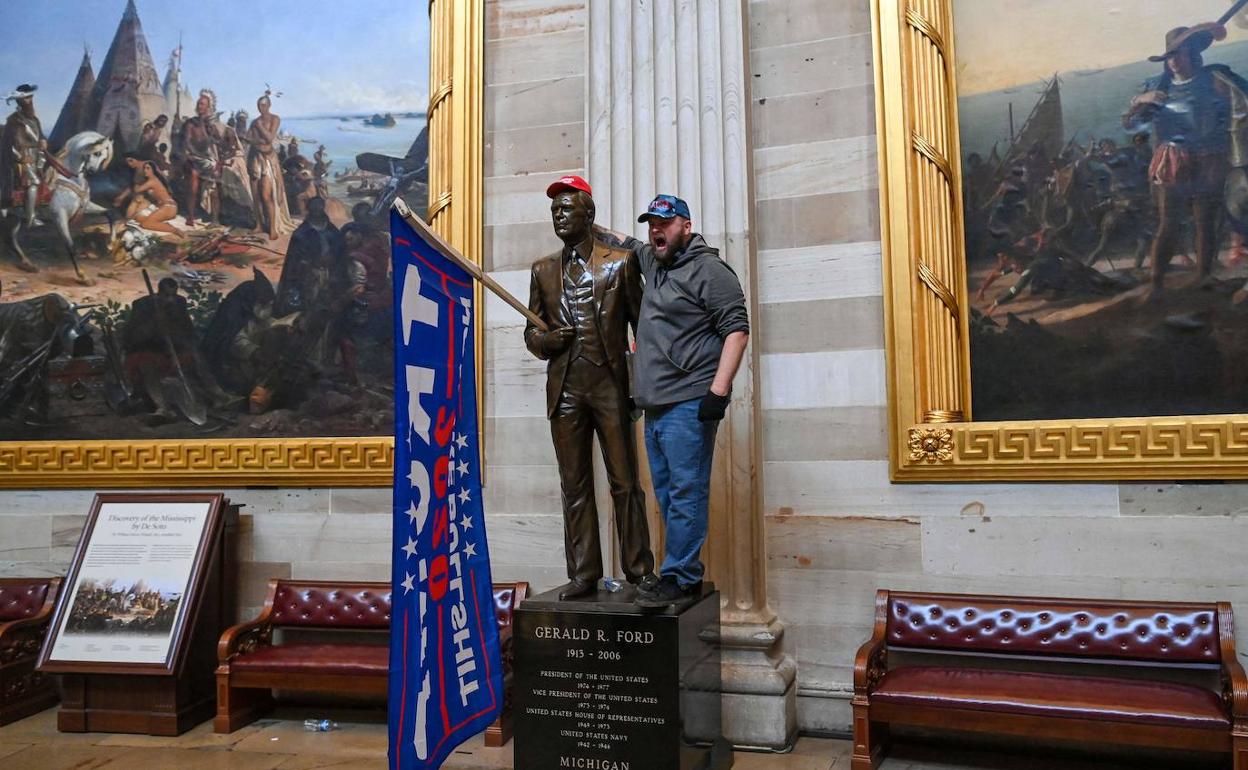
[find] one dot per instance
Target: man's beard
(674, 249)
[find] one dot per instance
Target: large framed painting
(194, 273)
(1064, 193)
(136, 577)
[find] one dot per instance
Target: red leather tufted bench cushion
(21, 601)
(305, 658)
(1054, 695)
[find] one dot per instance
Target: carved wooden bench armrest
(23, 637)
(871, 662)
(245, 637)
(1234, 681)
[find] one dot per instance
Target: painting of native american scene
(201, 249)
(1104, 155)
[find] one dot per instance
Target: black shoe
(646, 583)
(667, 593)
(577, 589)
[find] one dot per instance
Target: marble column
(669, 112)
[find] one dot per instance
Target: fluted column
(669, 112)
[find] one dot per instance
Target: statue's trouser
(592, 403)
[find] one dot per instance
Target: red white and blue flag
(446, 681)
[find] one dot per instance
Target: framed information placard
(134, 584)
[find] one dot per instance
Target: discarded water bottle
(319, 725)
(612, 585)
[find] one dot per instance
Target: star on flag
(410, 548)
(407, 582)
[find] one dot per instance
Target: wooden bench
(26, 606)
(1150, 643)
(251, 665)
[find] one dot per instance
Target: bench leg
(238, 706)
(869, 740)
(1239, 750)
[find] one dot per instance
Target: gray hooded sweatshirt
(688, 307)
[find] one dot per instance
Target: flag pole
(451, 253)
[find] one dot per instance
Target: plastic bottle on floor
(319, 725)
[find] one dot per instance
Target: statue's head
(571, 209)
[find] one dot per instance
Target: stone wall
(534, 133)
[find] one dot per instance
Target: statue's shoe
(577, 589)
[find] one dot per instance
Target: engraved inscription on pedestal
(602, 686)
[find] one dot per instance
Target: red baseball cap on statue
(571, 182)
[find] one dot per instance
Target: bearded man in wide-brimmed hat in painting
(1200, 139)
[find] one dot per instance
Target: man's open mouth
(660, 242)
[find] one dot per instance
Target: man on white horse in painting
(30, 177)
(21, 153)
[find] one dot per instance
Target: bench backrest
(332, 605)
(22, 598)
(357, 605)
(1143, 631)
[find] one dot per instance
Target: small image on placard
(123, 606)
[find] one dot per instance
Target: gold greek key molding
(1213, 446)
(254, 462)
(1183, 439)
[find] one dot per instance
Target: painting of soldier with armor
(1105, 197)
(203, 253)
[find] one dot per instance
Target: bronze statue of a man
(589, 294)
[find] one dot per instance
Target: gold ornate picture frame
(455, 113)
(932, 435)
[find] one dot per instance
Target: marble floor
(282, 744)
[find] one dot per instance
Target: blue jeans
(680, 449)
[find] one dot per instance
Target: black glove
(556, 341)
(712, 407)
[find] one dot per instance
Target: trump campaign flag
(446, 681)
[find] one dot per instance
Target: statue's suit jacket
(617, 302)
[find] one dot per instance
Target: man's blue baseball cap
(666, 207)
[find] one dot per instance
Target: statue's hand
(557, 340)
